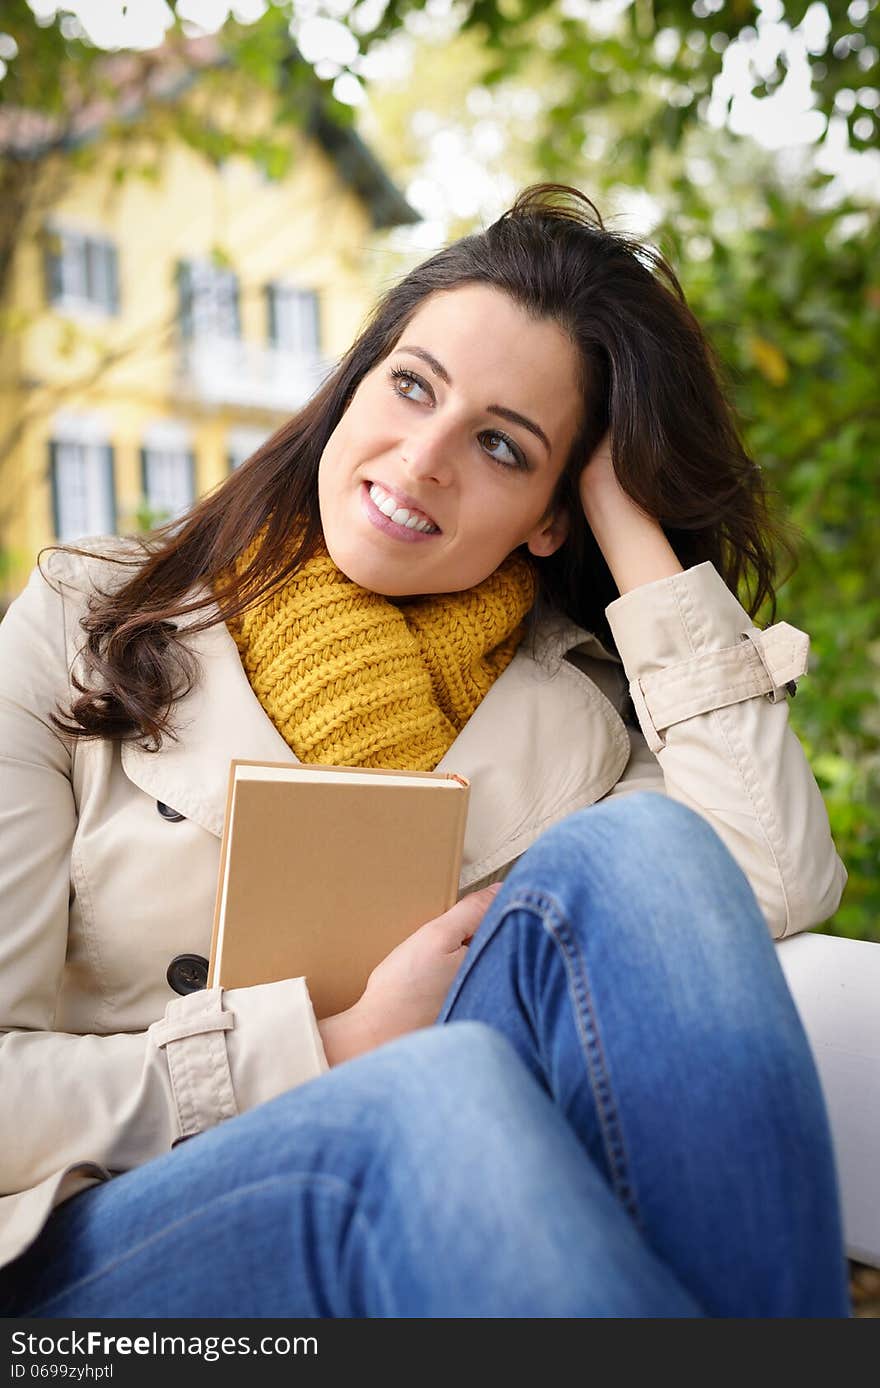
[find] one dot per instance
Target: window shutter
(236, 303)
(185, 298)
(53, 477)
(145, 493)
(272, 311)
(314, 320)
(75, 273)
(99, 256)
(112, 277)
(93, 268)
(110, 473)
(52, 265)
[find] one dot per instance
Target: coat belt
(762, 662)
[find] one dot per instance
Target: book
(324, 870)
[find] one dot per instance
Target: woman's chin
(363, 570)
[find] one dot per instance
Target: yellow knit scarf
(350, 678)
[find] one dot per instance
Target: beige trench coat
(103, 1066)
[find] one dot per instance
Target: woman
(440, 562)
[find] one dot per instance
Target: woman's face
(437, 439)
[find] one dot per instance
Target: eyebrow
(501, 410)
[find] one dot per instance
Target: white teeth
(399, 514)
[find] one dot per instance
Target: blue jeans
(616, 1114)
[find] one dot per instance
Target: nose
(428, 452)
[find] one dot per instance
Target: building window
(241, 443)
(82, 271)
(167, 472)
(208, 301)
(83, 493)
(293, 319)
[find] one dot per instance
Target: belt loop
(646, 722)
(775, 689)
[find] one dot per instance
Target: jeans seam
(348, 1191)
(586, 1023)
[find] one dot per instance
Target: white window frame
(210, 302)
(167, 470)
(294, 318)
(241, 443)
(83, 272)
(82, 478)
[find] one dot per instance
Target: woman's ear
(549, 534)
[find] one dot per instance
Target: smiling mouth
(391, 505)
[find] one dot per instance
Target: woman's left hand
(598, 480)
(633, 543)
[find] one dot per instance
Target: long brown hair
(648, 374)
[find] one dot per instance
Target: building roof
(166, 76)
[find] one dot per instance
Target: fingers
(459, 924)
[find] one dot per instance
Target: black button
(167, 813)
(187, 973)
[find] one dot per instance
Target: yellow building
(158, 329)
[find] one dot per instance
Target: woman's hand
(406, 989)
(598, 478)
(633, 543)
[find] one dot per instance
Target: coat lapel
(220, 719)
(542, 743)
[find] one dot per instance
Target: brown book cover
(325, 869)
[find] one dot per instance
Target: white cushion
(835, 984)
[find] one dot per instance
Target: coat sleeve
(709, 692)
(114, 1100)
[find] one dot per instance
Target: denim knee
(643, 830)
(446, 1086)
(636, 857)
(437, 1074)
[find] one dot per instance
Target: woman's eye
(401, 379)
(514, 457)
